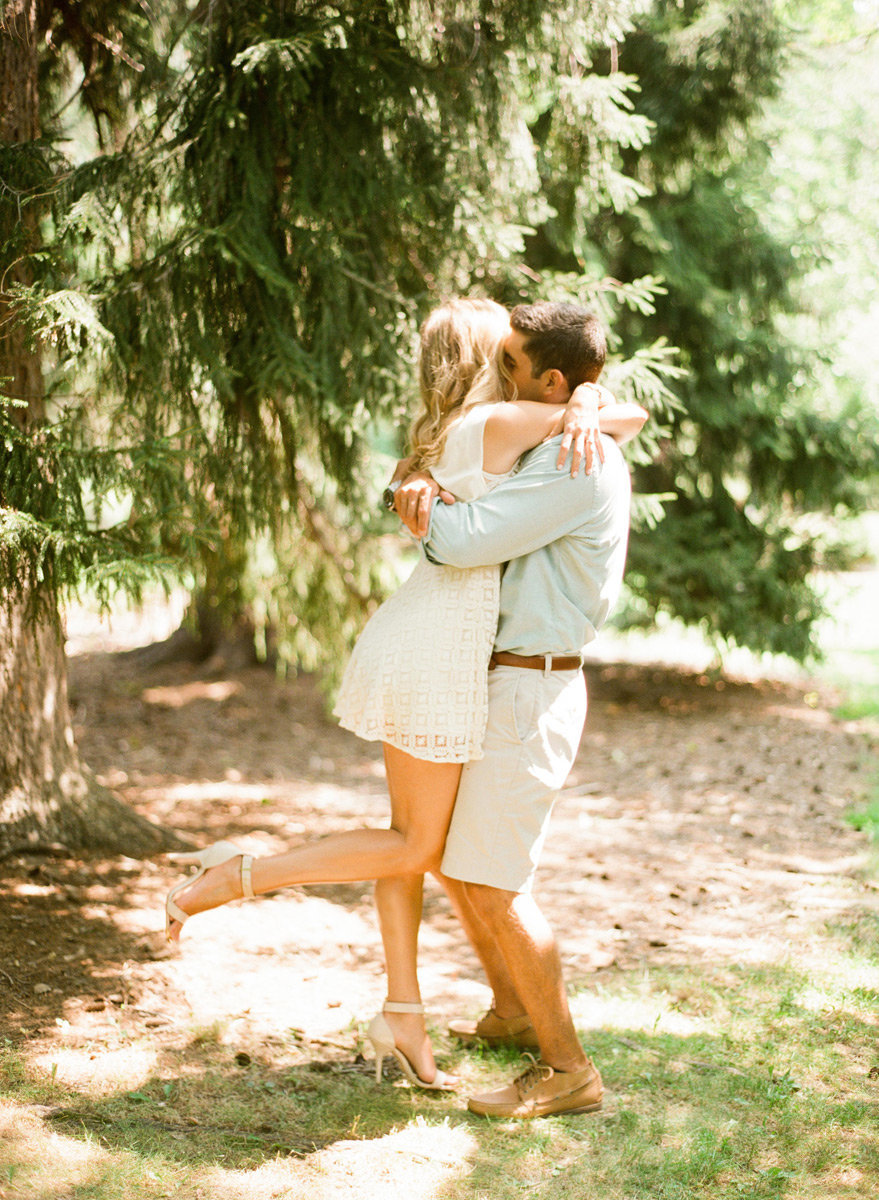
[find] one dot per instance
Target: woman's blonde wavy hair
(460, 364)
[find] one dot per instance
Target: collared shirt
(563, 541)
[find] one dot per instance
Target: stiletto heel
(379, 1059)
(211, 856)
(381, 1036)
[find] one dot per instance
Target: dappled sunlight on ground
(413, 1163)
(292, 962)
(704, 817)
(40, 1162)
(97, 1070)
(596, 1008)
(703, 830)
(185, 693)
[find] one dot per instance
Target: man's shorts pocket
(524, 707)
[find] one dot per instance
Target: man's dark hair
(561, 337)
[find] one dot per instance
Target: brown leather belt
(535, 662)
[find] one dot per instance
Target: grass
(861, 685)
(723, 1082)
(866, 819)
(861, 703)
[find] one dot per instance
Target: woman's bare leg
(398, 901)
(413, 785)
(422, 808)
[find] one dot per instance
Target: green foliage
(867, 819)
(106, 57)
(821, 194)
(244, 275)
(225, 291)
(310, 208)
(67, 517)
(743, 581)
(756, 439)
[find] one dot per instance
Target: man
(563, 540)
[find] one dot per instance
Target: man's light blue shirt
(563, 540)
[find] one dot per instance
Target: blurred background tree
(220, 226)
(821, 193)
(763, 439)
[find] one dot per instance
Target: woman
(417, 677)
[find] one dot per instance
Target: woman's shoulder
(467, 429)
(460, 466)
(478, 414)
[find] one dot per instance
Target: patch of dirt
(704, 821)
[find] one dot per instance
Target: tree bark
(47, 797)
(20, 366)
(218, 629)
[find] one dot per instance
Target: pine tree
(328, 173)
(46, 795)
(210, 317)
(221, 300)
(755, 446)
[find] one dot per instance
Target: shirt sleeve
(530, 509)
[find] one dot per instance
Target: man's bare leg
(505, 998)
(532, 962)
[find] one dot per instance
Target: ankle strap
(246, 884)
(398, 1006)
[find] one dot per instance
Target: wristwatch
(389, 493)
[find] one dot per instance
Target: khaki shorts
(505, 798)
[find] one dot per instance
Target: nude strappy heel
(381, 1036)
(211, 856)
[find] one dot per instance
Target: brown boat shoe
(493, 1030)
(543, 1092)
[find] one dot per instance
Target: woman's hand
(580, 435)
(413, 499)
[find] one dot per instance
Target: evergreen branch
(323, 534)
(116, 50)
(371, 285)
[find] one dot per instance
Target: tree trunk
(47, 798)
(46, 795)
(218, 630)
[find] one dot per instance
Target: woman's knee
(420, 857)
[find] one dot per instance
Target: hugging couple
(471, 677)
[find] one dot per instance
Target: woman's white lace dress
(418, 675)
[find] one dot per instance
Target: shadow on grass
(856, 932)
(213, 1110)
(55, 945)
(774, 1094)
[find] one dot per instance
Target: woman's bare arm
(520, 425)
(622, 422)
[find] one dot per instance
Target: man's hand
(580, 435)
(413, 499)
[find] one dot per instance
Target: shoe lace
(533, 1075)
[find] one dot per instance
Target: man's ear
(554, 382)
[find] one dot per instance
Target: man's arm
(536, 506)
